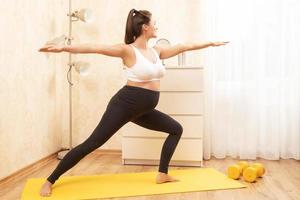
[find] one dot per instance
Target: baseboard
(20, 174)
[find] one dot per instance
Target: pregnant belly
(151, 85)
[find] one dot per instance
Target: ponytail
(135, 21)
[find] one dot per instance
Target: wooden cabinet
(181, 97)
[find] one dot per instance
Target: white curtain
(252, 84)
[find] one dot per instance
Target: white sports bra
(144, 70)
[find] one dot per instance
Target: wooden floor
(281, 181)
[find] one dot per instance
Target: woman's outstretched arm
(117, 50)
(167, 52)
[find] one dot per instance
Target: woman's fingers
(44, 48)
(47, 48)
(220, 43)
(54, 49)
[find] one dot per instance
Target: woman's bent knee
(178, 129)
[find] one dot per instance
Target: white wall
(32, 89)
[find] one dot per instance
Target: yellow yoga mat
(129, 184)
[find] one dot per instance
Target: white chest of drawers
(181, 97)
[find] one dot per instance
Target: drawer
(182, 79)
(141, 148)
(192, 128)
(181, 103)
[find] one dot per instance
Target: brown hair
(135, 21)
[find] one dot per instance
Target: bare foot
(46, 189)
(163, 178)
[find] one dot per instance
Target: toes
(44, 194)
(172, 179)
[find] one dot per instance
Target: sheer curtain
(252, 84)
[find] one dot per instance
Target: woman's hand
(215, 44)
(52, 48)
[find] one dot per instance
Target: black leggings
(133, 104)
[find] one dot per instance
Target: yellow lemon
(234, 171)
(250, 174)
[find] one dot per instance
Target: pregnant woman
(135, 101)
